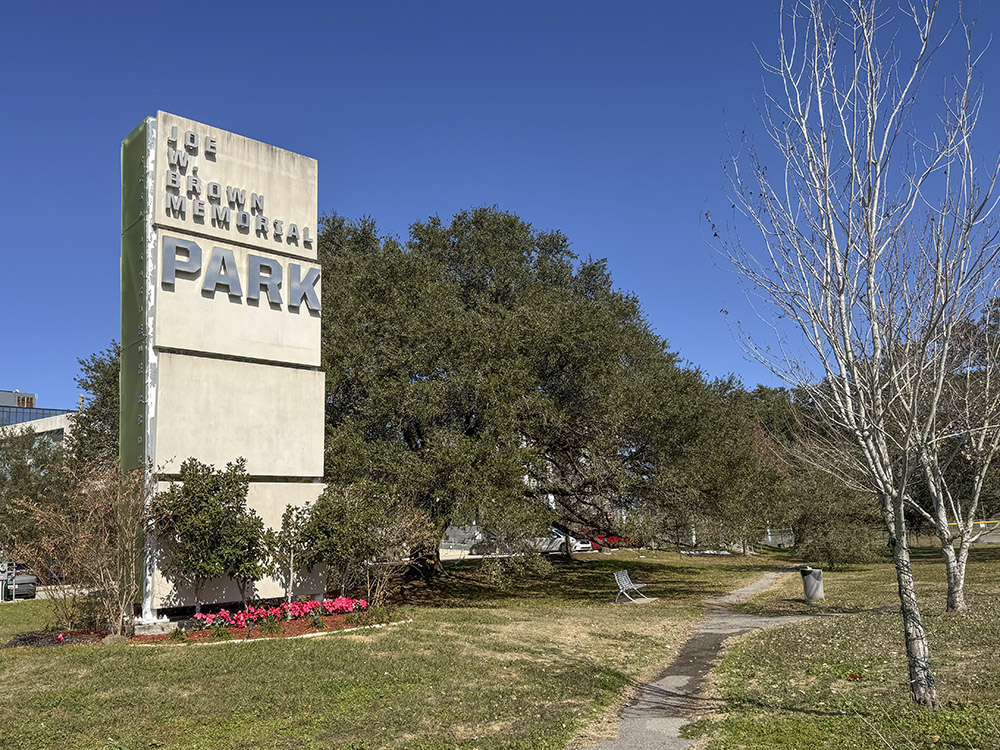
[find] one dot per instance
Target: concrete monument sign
(220, 318)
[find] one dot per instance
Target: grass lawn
(528, 667)
(20, 616)
(842, 681)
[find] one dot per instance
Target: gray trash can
(812, 583)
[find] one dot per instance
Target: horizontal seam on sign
(237, 358)
(161, 228)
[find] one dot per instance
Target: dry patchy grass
(526, 667)
(841, 682)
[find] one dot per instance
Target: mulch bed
(40, 639)
(289, 628)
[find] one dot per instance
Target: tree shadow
(465, 583)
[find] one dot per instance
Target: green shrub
(178, 635)
(270, 626)
(371, 616)
(204, 524)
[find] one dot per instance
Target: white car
(553, 544)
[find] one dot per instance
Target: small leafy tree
(340, 533)
(834, 525)
(738, 473)
(205, 525)
(245, 559)
(364, 534)
(287, 545)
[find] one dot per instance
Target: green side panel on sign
(132, 377)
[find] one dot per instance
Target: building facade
(17, 408)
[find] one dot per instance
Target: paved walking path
(654, 720)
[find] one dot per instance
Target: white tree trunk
(918, 659)
(955, 564)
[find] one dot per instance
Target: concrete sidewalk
(654, 720)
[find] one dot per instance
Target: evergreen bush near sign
(341, 532)
(364, 536)
(245, 554)
(204, 525)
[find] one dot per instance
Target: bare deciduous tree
(967, 436)
(97, 540)
(876, 246)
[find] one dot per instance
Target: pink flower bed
(286, 611)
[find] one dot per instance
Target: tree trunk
(426, 563)
(954, 568)
(954, 565)
(567, 546)
(922, 685)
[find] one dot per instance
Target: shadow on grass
(978, 553)
(798, 606)
(694, 707)
(661, 702)
(588, 580)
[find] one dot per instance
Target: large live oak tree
(482, 371)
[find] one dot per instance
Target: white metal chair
(625, 585)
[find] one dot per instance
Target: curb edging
(317, 634)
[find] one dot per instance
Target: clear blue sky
(604, 120)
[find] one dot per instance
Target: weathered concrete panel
(217, 410)
(231, 365)
(187, 167)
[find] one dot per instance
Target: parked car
(484, 543)
(554, 543)
(24, 584)
(57, 572)
(611, 541)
